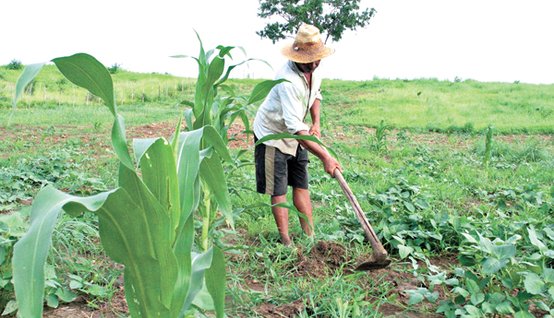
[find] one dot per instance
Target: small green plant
(488, 146)
(378, 142)
(12, 227)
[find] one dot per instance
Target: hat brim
(305, 56)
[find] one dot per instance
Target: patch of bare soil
(273, 311)
(154, 130)
(238, 139)
(323, 259)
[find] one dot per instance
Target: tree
(332, 17)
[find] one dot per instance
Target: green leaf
(136, 231)
(214, 140)
(200, 263)
(75, 284)
(188, 166)
(215, 70)
(533, 284)
(473, 311)
(65, 295)
(261, 90)
(409, 206)
(523, 314)
(492, 265)
(51, 301)
(551, 292)
(485, 244)
(159, 173)
(119, 141)
(404, 251)
(10, 308)
(505, 308)
(459, 290)
(477, 298)
(415, 298)
(534, 239)
(215, 281)
(29, 73)
(472, 286)
(203, 299)
(470, 238)
(141, 145)
(548, 274)
(504, 251)
(85, 71)
(212, 173)
(487, 308)
(31, 250)
(297, 137)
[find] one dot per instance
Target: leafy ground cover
(467, 237)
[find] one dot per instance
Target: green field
(468, 236)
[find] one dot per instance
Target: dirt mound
(322, 260)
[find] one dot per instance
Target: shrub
(14, 65)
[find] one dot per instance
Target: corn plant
(210, 108)
(378, 142)
(488, 146)
(147, 222)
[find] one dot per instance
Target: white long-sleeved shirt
(286, 107)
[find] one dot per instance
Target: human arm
(314, 113)
(330, 164)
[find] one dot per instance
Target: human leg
(302, 202)
(271, 178)
(281, 216)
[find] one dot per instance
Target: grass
(430, 105)
(421, 182)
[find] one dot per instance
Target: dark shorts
(276, 170)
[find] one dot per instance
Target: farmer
(282, 163)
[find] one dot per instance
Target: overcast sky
(486, 40)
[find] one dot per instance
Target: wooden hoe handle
(379, 251)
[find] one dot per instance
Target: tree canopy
(332, 17)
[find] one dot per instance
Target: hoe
(378, 259)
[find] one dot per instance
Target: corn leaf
(159, 173)
(136, 231)
(200, 262)
(31, 250)
(297, 137)
(188, 166)
(212, 173)
(261, 90)
(215, 281)
(29, 73)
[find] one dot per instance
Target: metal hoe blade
(378, 259)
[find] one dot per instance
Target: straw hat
(307, 46)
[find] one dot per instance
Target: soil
(326, 258)
(274, 311)
(323, 259)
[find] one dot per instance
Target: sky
(484, 40)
